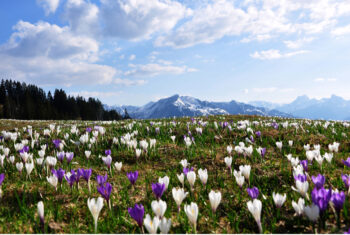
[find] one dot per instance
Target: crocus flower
(338, 200)
(118, 165)
(88, 129)
(255, 207)
(186, 170)
(181, 178)
(179, 195)
(108, 152)
(228, 162)
(184, 163)
(301, 178)
(105, 191)
(2, 177)
(299, 207)
(347, 162)
(279, 199)
(253, 192)
(56, 143)
(41, 212)
(215, 199)
(192, 214)
(132, 176)
(107, 161)
(159, 208)
(95, 207)
(312, 212)
(158, 189)
(245, 171)
(71, 178)
(101, 179)
(69, 157)
(258, 134)
(203, 176)
(346, 180)
(321, 197)
(87, 174)
(304, 163)
(59, 174)
(263, 152)
(165, 180)
(318, 180)
(137, 213)
(151, 225)
(191, 178)
(165, 225)
(60, 156)
(53, 181)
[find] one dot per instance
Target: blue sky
(136, 51)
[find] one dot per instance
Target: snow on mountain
(179, 106)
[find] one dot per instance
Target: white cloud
(96, 94)
(83, 17)
(340, 31)
(137, 19)
(298, 43)
(325, 79)
(151, 70)
(49, 6)
(47, 54)
(275, 54)
(132, 57)
(272, 90)
(128, 82)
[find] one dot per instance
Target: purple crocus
(59, 174)
(301, 178)
(258, 134)
(158, 189)
(346, 180)
(105, 190)
(56, 143)
(132, 176)
(60, 156)
(88, 129)
(69, 156)
(2, 177)
(186, 170)
(253, 192)
(252, 138)
(304, 163)
(87, 174)
(347, 232)
(101, 179)
(71, 179)
(321, 197)
(24, 149)
(137, 213)
(108, 152)
(338, 200)
(318, 181)
(80, 173)
(263, 152)
(347, 162)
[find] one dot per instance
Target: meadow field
(215, 174)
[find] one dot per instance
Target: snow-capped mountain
(179, 106)
(333, 108)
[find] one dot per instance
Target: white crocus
(228, 162)
(319, 159)
(279, 199)
(255, 207)
(165, 180)
(290, 142)
(29, 168)
(151, 225)
(184, 163)
(191, 178)
(181, 178)
(165, 225)
(118, 166)
(53, 180)
(138, 153)
(279, 145)
(179, 195)
(239, 178)
(312, 212)
(203, 176)
(302, 188)
(159, 208)
(245, 170)
(192, 214)
(19, 166)
(173, 138)
(299, 207)
(41, 211)
(95, 207)
(215, 199)
(87, 154)
(229, 149)
(328, 157)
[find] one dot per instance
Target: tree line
(29, 102)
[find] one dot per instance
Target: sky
(130, 52)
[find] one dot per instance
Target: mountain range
(333, 108)
(179, 106)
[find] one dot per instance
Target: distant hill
(333, 108)
(179, 106)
